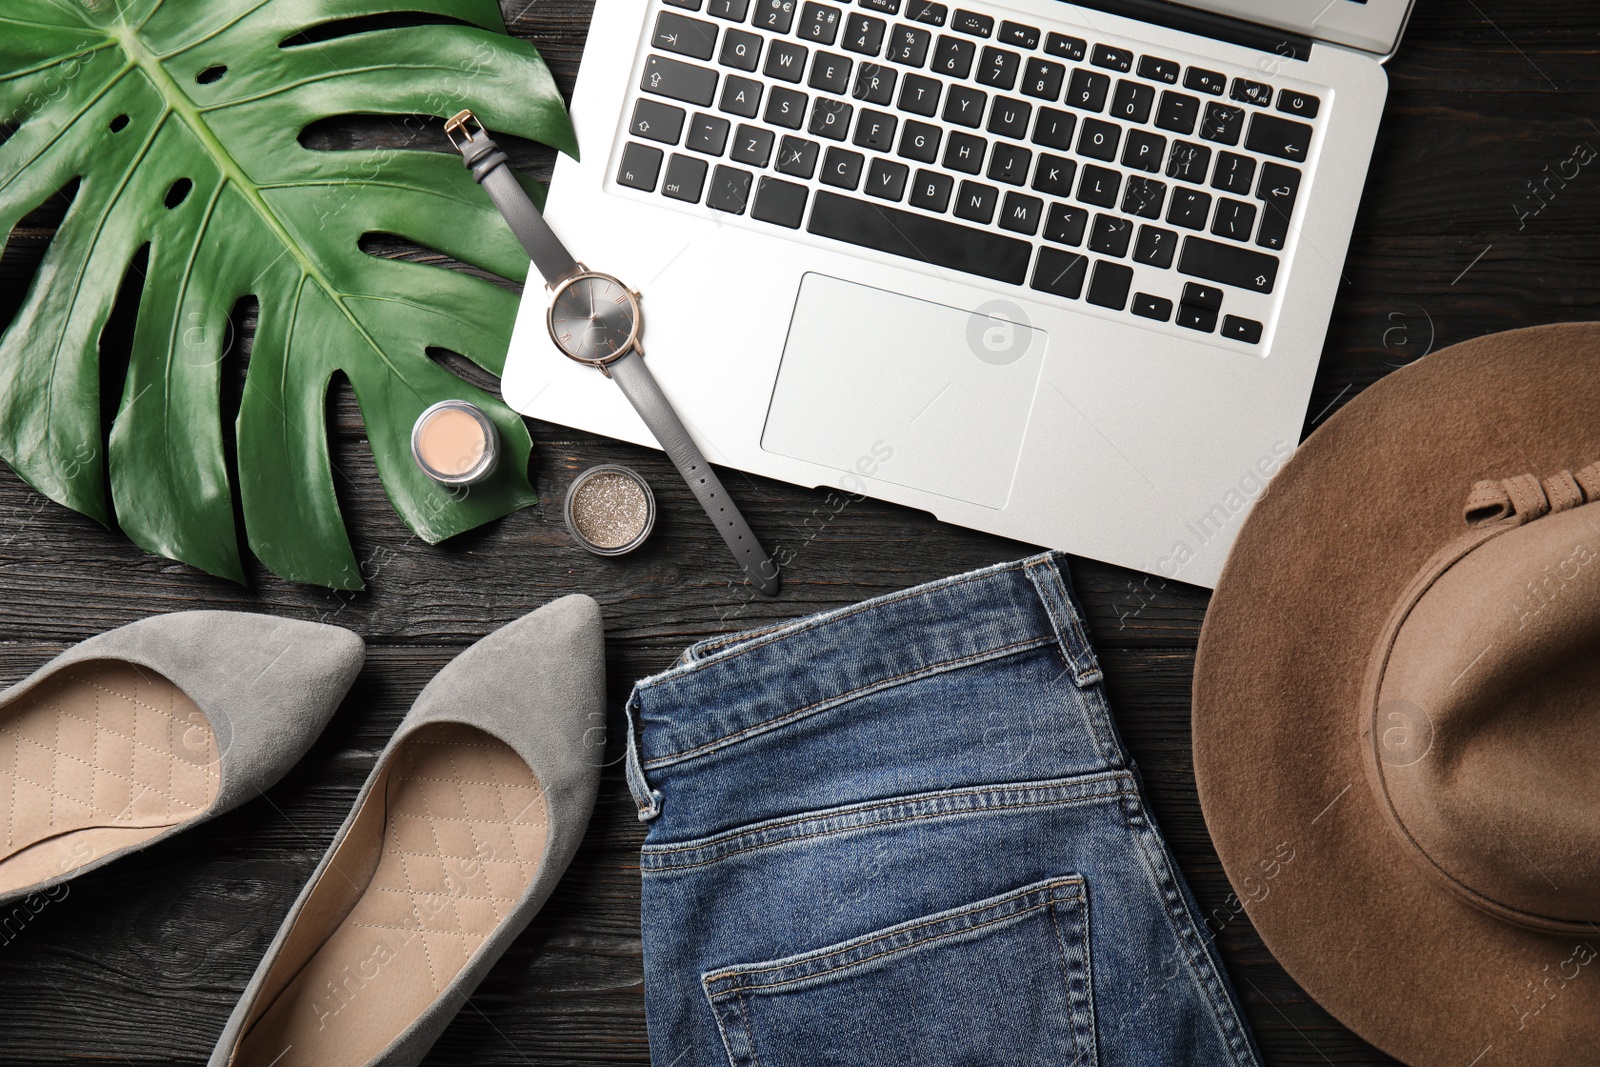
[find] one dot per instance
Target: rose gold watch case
(631, 345)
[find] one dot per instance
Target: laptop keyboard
(1024, 154)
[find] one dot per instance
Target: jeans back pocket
(996, 983)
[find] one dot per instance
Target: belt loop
(647, 800)
(1065, 616)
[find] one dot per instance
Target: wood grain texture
(142, 961)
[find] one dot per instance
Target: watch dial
(592, 318)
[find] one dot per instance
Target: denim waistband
(731, 688)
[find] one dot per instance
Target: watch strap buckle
(461, 122)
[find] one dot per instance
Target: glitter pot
(610, 510)
(454, 443)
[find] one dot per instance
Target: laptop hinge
(1207, 24)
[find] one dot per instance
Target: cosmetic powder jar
(455, 443)
(610, 510)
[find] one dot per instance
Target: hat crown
(1484, 719)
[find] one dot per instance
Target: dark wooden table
(142, 962)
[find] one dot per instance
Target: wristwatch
(595, 319)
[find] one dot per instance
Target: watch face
(592, 318)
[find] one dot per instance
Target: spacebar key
(918, 237)
(1228, 264)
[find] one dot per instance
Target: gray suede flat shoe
(465, 825)
(154, 727)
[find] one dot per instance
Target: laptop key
(1238, 329)
(797, 157)
(964, 152)
(1160, 70)
(1098, 139)
(1197, 318)
(752, 145)
(919, 95)
(1109, 285)
(1009, 163)
(687, 5)
(1042, 78)
(886, 7)
(1099, 186)
(919, 141)
(830, 118)
(930, 13)
(1291, 102)
(657, 121)
(864, 34)
(1110, 235)
(786, 61)
(1249, 92)
(1132, 101)
(1118, 59)
(1009, 118)
(973, 23)
(785, 107)
(874, 83)
(684, 35)
(875, 130)
(1223, 123)
(685, 178)
(1151, 307)
(774, 15)
(1144, 150)
(1189, 162)
(740, 96)
(1054, 175)
(842, 168)
(678, 80)
(931, 190)
(908, 45)
(1143, 197)
(829, 73)
(1228, 264)
(1272, 136)
(732, 10)
(741, 50)
(975, 201)
(1020, 213)
(1234, 173)
(1189, 208)
(1060, 273)
(1065, 224)
(1054, 129)
(1277, 189)
(939, 242)
(886, 179)
(1235, 219)
(998, 68)
(963, 105)
(641, 165)
(819, 23)
(1178, 112)
(1087, 90)
(730, 189)
(1014, 33)
(953, 56)
(1155, 247)
(1064, 47)
(707, 134)
(1205, 81)
(1202, 296)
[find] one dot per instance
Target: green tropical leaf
(181, 120)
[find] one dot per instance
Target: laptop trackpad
(920, 394)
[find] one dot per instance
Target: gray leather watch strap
(641, 388)
(488, 165)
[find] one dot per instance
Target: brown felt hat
(1397, 707)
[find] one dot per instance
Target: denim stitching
(744, 989)
(841, 698)
(1049, 888)
(886, 822)
(722, 1031)
(1066, 790)
(1090, 1036)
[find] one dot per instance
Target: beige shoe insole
(100, 756)
(444, 847)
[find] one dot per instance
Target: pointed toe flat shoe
(154, 727)
(468, 820)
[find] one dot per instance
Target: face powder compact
(610, 510)
(454, 443)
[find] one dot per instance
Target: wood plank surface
(142, 961)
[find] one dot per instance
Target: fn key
(640, 167)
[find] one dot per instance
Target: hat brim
(1314, 573)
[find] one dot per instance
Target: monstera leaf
(180, 121)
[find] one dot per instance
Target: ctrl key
(686, 178)
(641, 164)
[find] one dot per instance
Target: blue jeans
(906, 832)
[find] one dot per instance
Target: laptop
(1060, 272)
